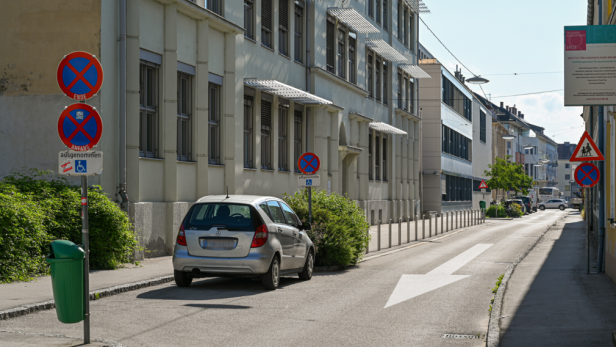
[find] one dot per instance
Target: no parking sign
(80, 75)
(587, 175)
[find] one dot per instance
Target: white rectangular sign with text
(73, 163)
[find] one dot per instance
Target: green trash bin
(482, 204)
(66, 261)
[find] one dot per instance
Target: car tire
(542, 208)
(271, 278)
(561, 207)
(306, 273)
(182, 279)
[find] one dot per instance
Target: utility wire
(547, 91)
(522, 73)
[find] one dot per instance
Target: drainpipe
(307, 72)
(122, 163)
(601, 190)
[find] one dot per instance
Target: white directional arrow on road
(411, 286)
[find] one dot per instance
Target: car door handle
(279, 230)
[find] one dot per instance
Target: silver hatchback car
(242, 236)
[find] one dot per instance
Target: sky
(495, 39)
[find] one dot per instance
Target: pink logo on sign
(575, 40)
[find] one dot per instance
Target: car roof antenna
(227, 193)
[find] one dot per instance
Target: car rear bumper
(257, 262)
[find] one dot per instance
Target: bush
(516, 210)
(496, 211)
(339, 229)
(53, 208)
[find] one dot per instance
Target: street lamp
(508, 137)
(477, 80)
(528, 147)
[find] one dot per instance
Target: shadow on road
(214, 306)
(563, 306)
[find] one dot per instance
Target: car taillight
(260, 236)
(181, 236)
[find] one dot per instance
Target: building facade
(224, 96)
(566, 168)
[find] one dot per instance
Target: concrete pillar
(168, 104)
(200, 125)
(362, 164)
(232, 90)
(335, 118)
(132, 100)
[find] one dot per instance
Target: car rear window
(229, 216)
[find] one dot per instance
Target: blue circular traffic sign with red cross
(80, 75)
(80, 127)
(587, 175)
(308, 163)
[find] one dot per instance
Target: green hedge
(38, 207)
(339, 229)
(496, 211)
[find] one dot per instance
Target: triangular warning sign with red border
(483, 185)
(586, 150)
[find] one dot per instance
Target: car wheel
(182, 279)
(561, 207)
(542, 208)
(306, 274)
(271, 278)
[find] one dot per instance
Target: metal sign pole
(85, 240)
(310, 204)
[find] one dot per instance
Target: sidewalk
(550, 301)
(18, 294)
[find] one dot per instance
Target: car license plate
(213, 244)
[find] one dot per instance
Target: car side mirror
(305, 226)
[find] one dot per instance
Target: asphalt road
(333, 309)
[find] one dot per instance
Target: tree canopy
(506, 175)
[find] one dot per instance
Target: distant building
(566, 181)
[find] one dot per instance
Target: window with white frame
(266, 135)
(266, 23)
(299, 29)
(148, 110)
(341, 52)
(214, 6)
(283, 24)
(283, 135)
(249, 12)
(214, 124)
(352, 57)
(184, 127)
(248, 133)
(297, 137)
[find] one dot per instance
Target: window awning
(414, 70)
(353, 19)
(287, 92)
(383, 49)
(386, 128)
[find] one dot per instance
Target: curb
(493, 334)
(94, 295)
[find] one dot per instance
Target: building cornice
(320, 72)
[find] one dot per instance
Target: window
(370, 158)
(385, 95)
(378, 11)
(378, 79)
(384, 158)
(184, 116)
(568, 177)
(455, 99)
(283, 132)
(406, 99)
(341, 53)
(249, 19)
(411, 95)
(297, 138)
(482, 126)
(456, 144)
(400, 81)
(266, 23)
(567, 188)
(214, 124)
(330, 47)
(214, 6)
(248, 134)
(385, 15)
(458, 188)
(292, 219)
(445, 139)
(377, 166)
(352, 41)
(370, 85)
(299, 25)
(406, 23)
(566, 166)
(283, 23)
(148, 111)
(266, 140)
(411, 32)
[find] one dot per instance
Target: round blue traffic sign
(80, 75)
(587, 175)
(308, 163)
(80, 127)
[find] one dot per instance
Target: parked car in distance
(553, 203)
(527, 203)
(509, 202)
(576, 203)
(242, 236)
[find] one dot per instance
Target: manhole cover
(460, 336)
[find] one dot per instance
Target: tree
(505, 175)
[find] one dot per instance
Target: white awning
(386, 128)
(287, 92)
(353, 19)
(383, 49)
(414, 70)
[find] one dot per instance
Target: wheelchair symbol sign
(308, 182)
(81, 166)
